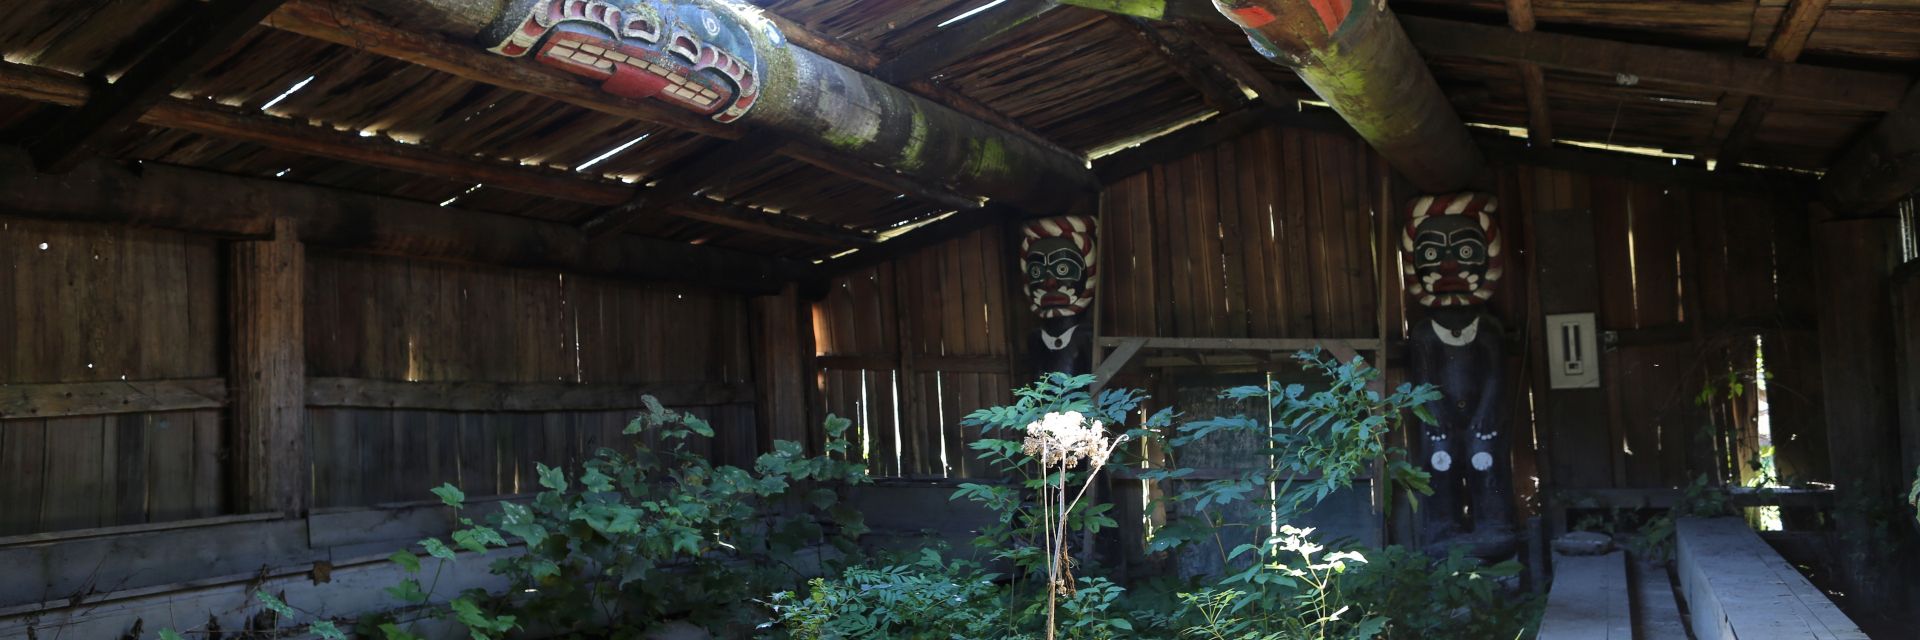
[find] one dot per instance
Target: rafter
(1187, 59)
(1784, 45)
(187, 48)
(211, 119)
(1826, 86)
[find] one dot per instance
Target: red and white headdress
(1479, 207)
(1080, 231)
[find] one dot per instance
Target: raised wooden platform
(1737, 587)
(1590, 599)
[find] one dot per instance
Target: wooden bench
(1589, 599)
(1738, 587)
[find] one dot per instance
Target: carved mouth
(623, 68)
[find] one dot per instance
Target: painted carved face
(688, 54)
(1057, 255)
(1452, 249)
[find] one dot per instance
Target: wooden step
(1589, 599)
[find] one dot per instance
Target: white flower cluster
(1065, 439)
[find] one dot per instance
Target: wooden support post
(269, 372)
(1853, 261)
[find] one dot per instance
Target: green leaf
(451, 495)
(407, 591)
(273, 604)
(437, 549)
(551, 477)
(822, 498)
(325, 630)
(477, 538)
(169, 634)
(394, 632)
(407, 561)
(698, 426)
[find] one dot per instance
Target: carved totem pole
(1057, 255)
(1453, 260)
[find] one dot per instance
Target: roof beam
(1520, 15)
(682, 192)
(930, 234)
(1825, 86)
(856, 120)
(182, 52)
(1788, 40)
(1203, 135)
(960, 41)
(211, 119)
(1357, 58)
(1880, 168)
(204, 202)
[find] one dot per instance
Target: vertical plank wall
(397, 319)
(911, 346)
(89, 303)
(1271, 235)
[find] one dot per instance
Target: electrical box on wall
(1573, 359)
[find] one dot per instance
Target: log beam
(161, 196)
(1539, 116)
(1823, 86)
(269, 371)
(1357, 58)
(1880, 168)
(797, 92)
(200, 36)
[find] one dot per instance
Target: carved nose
(1450, 265)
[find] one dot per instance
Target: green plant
(1331, 436)
(631, 539)
(1454, 598)
(1292, 592)
(929, 598)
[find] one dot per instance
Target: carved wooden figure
(1059, 260)
(1453, 260)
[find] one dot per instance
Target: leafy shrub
(1453, 598)
(629, 540)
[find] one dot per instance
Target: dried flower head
(1065, 439)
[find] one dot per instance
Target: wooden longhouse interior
(277, 269)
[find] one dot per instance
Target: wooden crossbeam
(1824, 86)
(1230, 63)
(213, 119)
(676, 184)
(1788, 40)
(199, 37)
(960, 41)
(1880, 168)
(1206, 134)
(933, 233)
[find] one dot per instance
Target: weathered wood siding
(96, 304)
(910, 347)
(396, 319)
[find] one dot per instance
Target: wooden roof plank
(1828, 86)
(960, 41)
(191, 44)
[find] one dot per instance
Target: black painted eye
(1430, 254)
(1467, 252)
(1036, 271)
(1063, 270)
